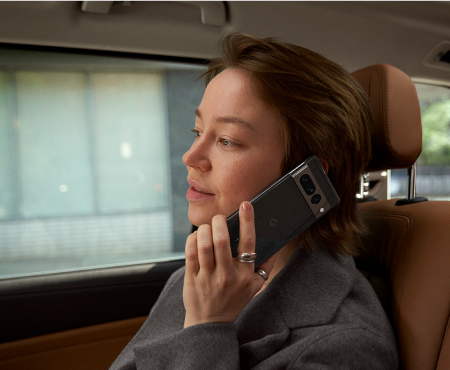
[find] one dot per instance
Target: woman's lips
(196, 194)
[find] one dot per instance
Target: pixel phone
(287, 208)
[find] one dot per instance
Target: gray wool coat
(319, 312)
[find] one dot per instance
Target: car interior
(82, 316)
(406, 241)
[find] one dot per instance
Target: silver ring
(263, 274)
(246, 257)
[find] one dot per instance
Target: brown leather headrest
(397, 129)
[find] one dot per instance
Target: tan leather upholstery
(90, 348)
(410, 247)
(397, 130)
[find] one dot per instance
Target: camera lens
(307, 184)
(316, 199)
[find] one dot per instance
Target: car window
(433, 164)
(90, 159)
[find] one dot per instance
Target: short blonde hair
(323, 111)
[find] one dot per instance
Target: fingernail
(195, 232)
(246, 206)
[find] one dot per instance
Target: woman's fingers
(205, 248)
(221, 240)
(247, 236)
(267, 267)
(221, 286)
(190, 250)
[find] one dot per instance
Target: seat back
(408, 246)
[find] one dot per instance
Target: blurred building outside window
(90, 159)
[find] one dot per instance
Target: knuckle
(248, 240)
(225, 280)
(204, 248)
(247, 218)
(221, 241)
(191, 255)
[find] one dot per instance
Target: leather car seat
(406, 245)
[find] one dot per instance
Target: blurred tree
(435, 133)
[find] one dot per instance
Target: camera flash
(321, 210)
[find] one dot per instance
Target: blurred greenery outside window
(433, 164)
(90, 159)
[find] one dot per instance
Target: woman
(267, 107)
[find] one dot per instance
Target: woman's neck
(282, 258)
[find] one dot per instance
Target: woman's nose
(197, 156)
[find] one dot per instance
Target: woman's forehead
(233, 93)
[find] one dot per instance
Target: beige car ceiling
(355, 34)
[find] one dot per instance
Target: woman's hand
(217, 287)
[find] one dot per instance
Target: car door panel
(93, 347)
(81, 314)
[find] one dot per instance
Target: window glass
(90, 159)
(54, 170)
(130, 134)
(433, 164)
(6, 160)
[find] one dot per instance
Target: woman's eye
(226, 142)
(196, 133)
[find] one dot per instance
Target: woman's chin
(198, 218)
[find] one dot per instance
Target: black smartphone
(287, 208)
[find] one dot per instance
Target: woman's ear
(324, 164)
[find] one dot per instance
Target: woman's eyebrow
(229, 119)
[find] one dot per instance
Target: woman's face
(238, 147)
